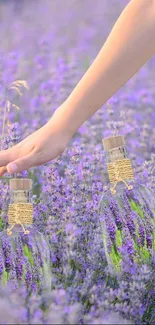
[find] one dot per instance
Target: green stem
(4, 119)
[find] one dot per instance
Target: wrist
(58, 123)
(64, 120)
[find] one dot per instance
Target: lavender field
(50, 44)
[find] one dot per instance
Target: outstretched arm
(129, 46)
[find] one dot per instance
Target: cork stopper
(113, 142)
(20, 184)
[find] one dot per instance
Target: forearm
(129, 46)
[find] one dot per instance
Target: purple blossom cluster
(25, 261)
(52, 54)
(128, 224)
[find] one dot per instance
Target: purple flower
(141, 234)
(1, 267)
(116, 212)
(7, 251)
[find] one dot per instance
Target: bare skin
(129, 46)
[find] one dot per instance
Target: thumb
(21, 164)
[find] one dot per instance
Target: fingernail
(12, 168)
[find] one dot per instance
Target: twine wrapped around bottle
(22, 212)
(121, 169)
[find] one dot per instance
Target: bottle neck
(20, 196)
(116, 154)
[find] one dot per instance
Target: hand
(38, 148)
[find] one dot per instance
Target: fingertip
(12, 168)
(21, 164)
(3, 170)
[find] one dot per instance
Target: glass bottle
(126, 211)
(24, 251)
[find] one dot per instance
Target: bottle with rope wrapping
(24, 251)
(126, 211)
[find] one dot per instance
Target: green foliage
(4, 278)
(28, 254)
(135, 207)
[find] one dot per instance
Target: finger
(6, 156)
(3, 170)
(22, 164)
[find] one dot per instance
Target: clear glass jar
(24, 251)
(127, 215)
